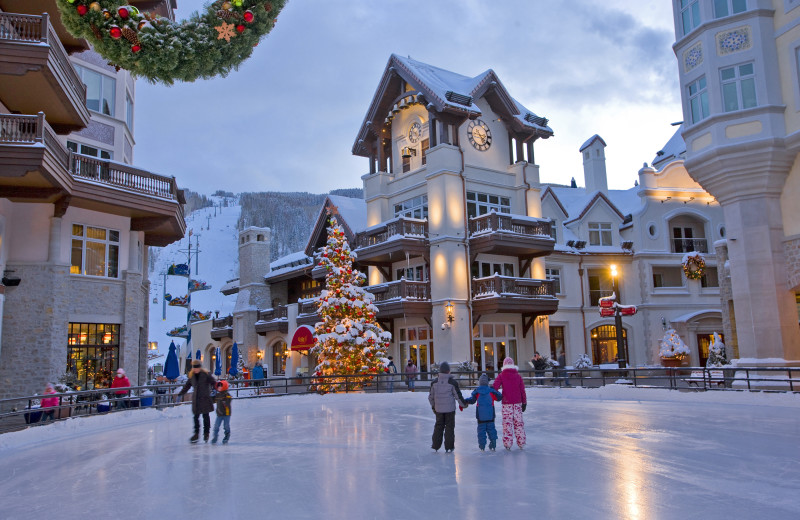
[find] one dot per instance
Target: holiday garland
(153, 47)
(694, 267)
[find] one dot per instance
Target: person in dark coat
(442, 397)
(562, 365)
(202, 403)
(539, 366)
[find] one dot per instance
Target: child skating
(514, 403)
(484, 411)
(223, 400)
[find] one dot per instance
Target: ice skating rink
(614, 452)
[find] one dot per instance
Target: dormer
(594, 164)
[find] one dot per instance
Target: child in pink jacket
(514, 403)
(49, 402)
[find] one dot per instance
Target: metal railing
(688, 245)
(21, 412)
(509, 223)
(401, 226)
(497, 285)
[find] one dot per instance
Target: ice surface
(615, 452)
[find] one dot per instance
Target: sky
(288, 118)
(609, 453)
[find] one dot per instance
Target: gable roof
(674, 149)
(591, 140)
(350, 213)
(576, 202)
(444, 92)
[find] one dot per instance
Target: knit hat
(444, 368)
(483, 380)
(197, 363)
(120, 372)
(508, 362)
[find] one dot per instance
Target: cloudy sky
(287, 119)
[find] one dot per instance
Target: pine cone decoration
(130, 35)
(96, 32)
(226, 15)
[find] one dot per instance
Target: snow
(613, 452)
(353, 211)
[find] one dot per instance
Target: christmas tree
(672, 346)
(716, 352)
(348, 340)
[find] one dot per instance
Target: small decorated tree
(672, 346)
(716, 353)
(583, 361)
(348, 340)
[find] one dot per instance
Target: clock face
(415, 132)
(479, 135)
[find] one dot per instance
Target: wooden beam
(475, 319)
(387, 275)
(527, 323)
(23, 192)
(61, 206)
(148, 223)
(524, 265)
(428, 321)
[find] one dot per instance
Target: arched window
(604, 344)
(279, 358)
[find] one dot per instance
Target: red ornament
(248, 16)
(123, 13)
(82, 9)
(115, 32)
(240, 28)
(136, 48)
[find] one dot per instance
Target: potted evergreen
(673, 350)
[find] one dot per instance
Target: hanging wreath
(694, 266)
(153, 47)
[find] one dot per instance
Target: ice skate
(194, 438)
(225, 439)
(214, 439)
(449, 451)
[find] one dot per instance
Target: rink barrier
(21, 412)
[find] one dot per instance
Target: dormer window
(600, 234)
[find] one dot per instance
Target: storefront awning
(303, 338)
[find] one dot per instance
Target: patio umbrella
(218, 364)
(171, 367)
(198, 355)
(234, 360)
(188, 361)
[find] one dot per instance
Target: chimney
(594, 164)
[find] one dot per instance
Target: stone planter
(672, 362)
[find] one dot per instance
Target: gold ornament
(106, 14)
(226, 31)
(226, 5)
(95, 6)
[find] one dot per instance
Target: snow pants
(445, 426)
(484, 429)
(513, 425)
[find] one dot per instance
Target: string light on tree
(348, 340)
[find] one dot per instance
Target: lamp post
(622, 355)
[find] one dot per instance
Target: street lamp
(622, 354)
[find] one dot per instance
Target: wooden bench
(697, 377)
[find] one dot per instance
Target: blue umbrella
(198, 355)
(234, 360)
(218, 364)
(171, 367)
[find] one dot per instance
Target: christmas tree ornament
(225, 31)
(226, 5)
(123, 12)
(95, 6)
(115, 32)
(240, 28)
(248, 16)
(106, 14)
(82, 9)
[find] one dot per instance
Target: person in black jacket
(539, 366)
(202, 403)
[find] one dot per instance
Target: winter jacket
(391, 368)
(49, 402)
(121, 382)
(539, 364)
(444, 393)
(258, 372)
(411, 371)
(483, 395)
(513, 386)
(203, 382)
(223, 400)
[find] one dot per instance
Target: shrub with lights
(672, 346)
(348, 340)
(208, 44)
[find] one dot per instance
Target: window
(279, 358)
(599, 285)
(95, 251)
(406, 164)
(93, 353)
(667, 276)
(728, 7)
(709, 278)
(604, 344)
(686, 239)
(556, 341)
(426, 144)
(416, 344)
(554, 230)
(492, 343)
(413, 208)
(415, 273)
(483, 269)
(698, 99)
(483, 203)
(690, 15)
(129, 111)
(100, 90)
(738, 87)
(91, 151)
(599, 233)
(555, 275)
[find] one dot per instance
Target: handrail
(276, 313)
(400, 226)
(498, 285)
(510, 224)
(400, 289)
(222, 323)
(688, 245)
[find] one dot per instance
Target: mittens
(524, 405)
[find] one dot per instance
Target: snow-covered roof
(685, 318)
(353, 211)
(674, 149)
(230, 287)
(576, 201)
(289, 260)
(589, 142)
(440, 81)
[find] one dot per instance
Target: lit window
(728, 7)
(698, 99)
(484, 203)
(412, 208)
(599, 233)
(100, 90)
(95, 251)
(738, 87)
(690, 15)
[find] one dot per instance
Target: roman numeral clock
(480, 137)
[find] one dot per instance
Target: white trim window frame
(100, 90)
(412, 208)
(738, 87)
(554, 274)
(484, 203)
(600, 234)
(690, 15)
(129, 110)
(724, 8)
(95, 251)
(698, 99)
(91, 151)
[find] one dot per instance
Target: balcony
(497, 294)
(392, 241)
(222, 328)
(513, 235)
(307, 312)
(37, 75)
(273, 320)
(402, 298)
(688, 245)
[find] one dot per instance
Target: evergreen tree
(672, 345)
(348, 340)
(716, 352)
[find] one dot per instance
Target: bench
(697, 377)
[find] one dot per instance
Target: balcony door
(416, 344)
(491, 344)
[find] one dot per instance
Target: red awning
(303, 338)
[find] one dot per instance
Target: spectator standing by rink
(411, 374)
(122, 383)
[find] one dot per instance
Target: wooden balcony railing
(510, 224)
(307, 307)
(688, 245)
(402, 290)
(500, 286)
(277, 313)
(401, 226)
(222, 323)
